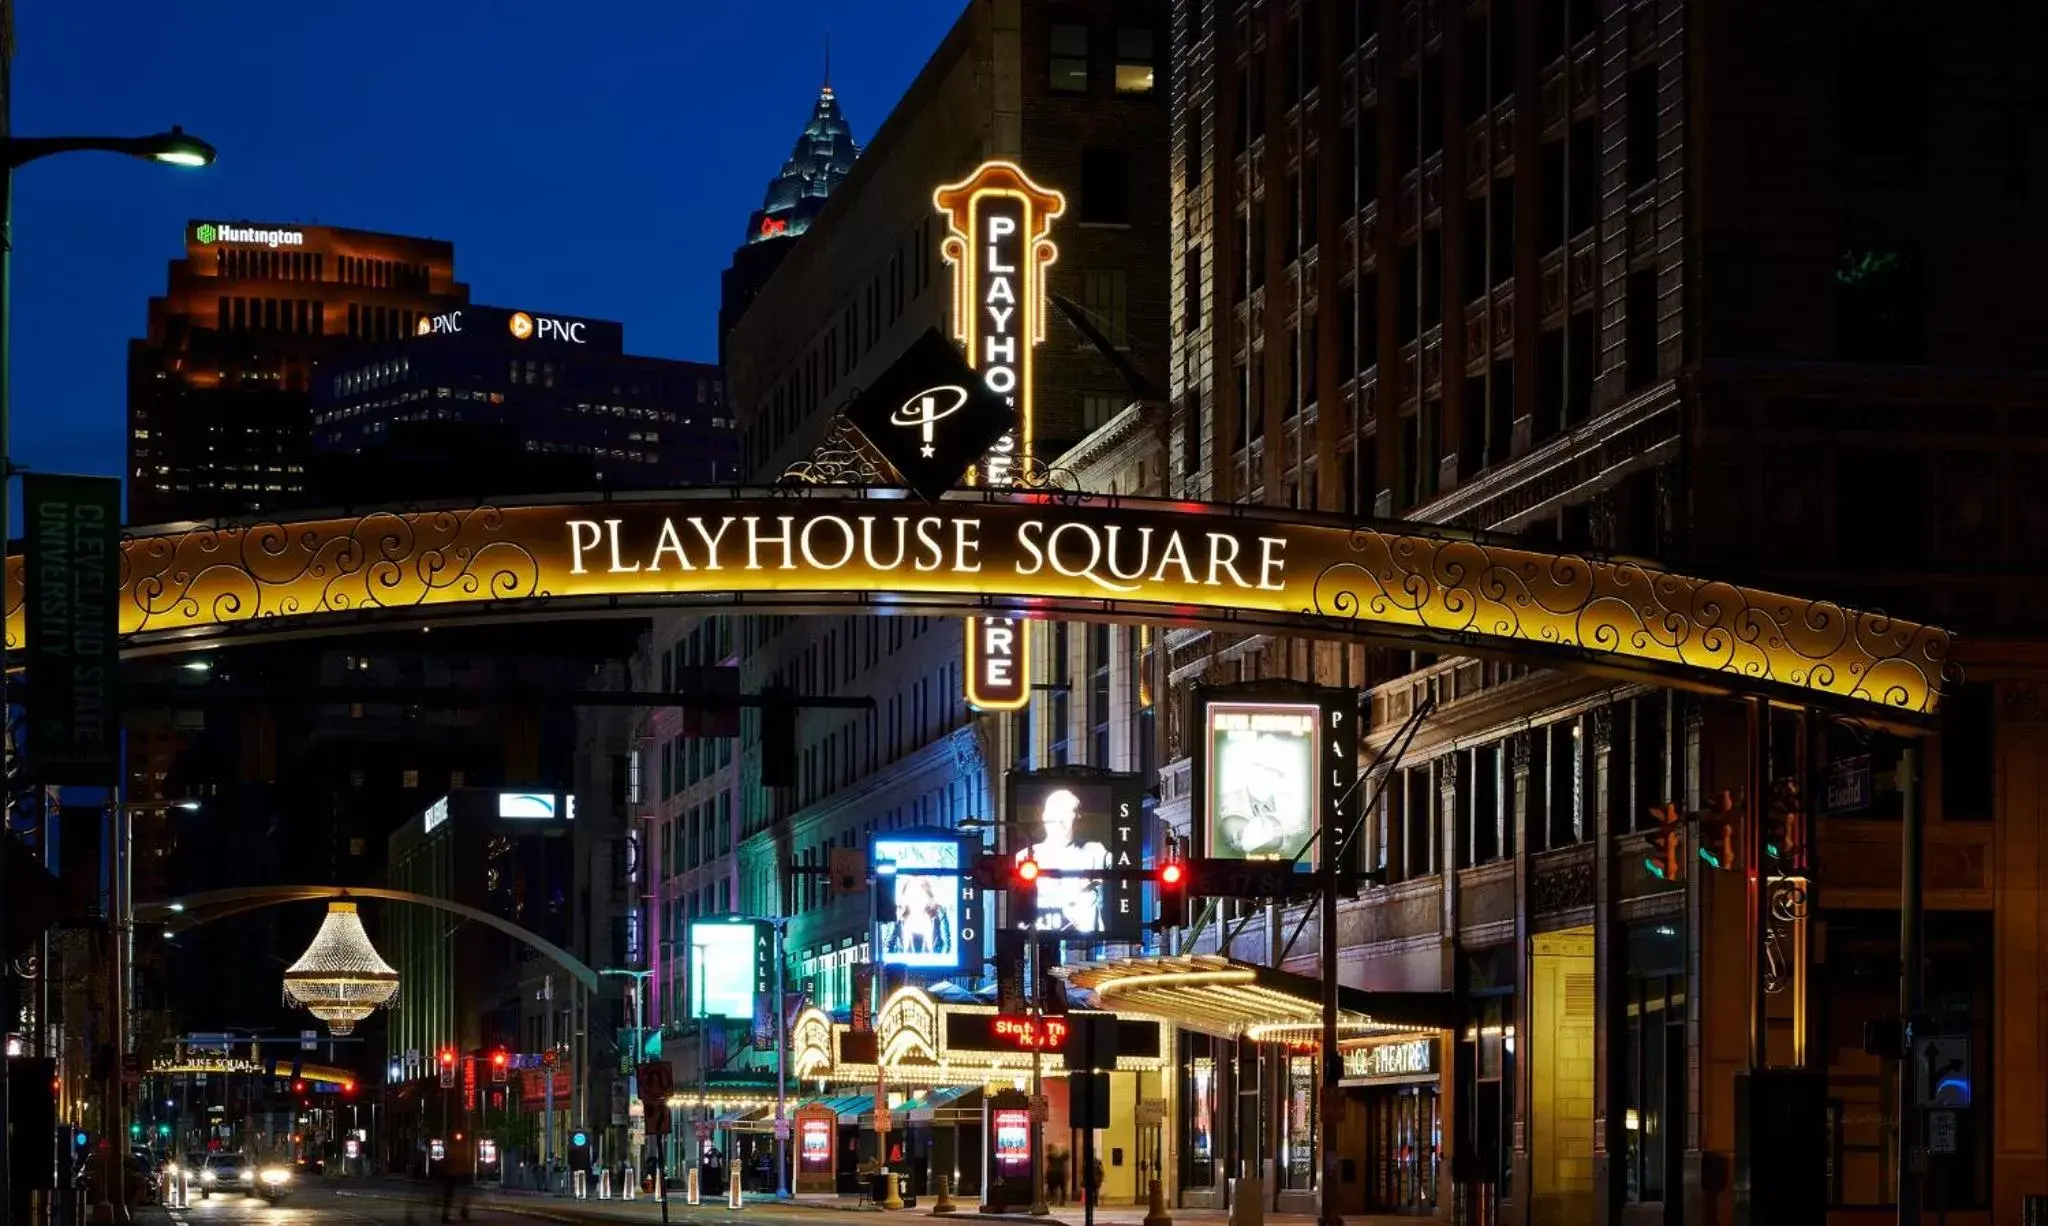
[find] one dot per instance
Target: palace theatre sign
(1011, 553)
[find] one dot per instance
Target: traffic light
(1172, 882)
(579, 1150)
(135, 1130)
(991, 872)
(778, 737)
(447, 1068)
(1664, 847)
(1024, 892)
(163, 1130)
(1717, 831)
(501, 1061)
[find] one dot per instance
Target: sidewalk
(644, 1209)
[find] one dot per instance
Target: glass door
(1402, 1141)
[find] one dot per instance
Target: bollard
(892, 1191)
(690, 1186)
(734, 1199)
(943, 1202)
(579, 1185)
(604, 1184)
(1155, 1213)
(628, 1187)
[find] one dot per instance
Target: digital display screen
(1077, 824)
(1261, 781)
(1013, 1140)
(922, 894)
(814, 1145)
(722, 977)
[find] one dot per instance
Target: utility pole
(1912, 836)
(781, 923)
(547, 1131)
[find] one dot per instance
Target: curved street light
(173, 148)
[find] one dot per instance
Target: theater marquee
(1133, 559)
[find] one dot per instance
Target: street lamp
(173, 148)
(637, 1143)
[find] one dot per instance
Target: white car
(226, 1173)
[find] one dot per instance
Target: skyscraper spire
(823, 155)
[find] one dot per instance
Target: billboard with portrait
(1077, 822)
(921, 884)
(1259, 778)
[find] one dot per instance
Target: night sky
(597, 158)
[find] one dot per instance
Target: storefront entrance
(1403, 1138)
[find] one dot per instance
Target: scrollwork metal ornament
(1788, 899)
(842, 457)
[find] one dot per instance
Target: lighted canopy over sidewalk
(1232, 999)
(1036, 554)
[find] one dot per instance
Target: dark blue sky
(596, 158)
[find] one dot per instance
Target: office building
(1075, 96)
(562, 385)
(1652, 278)
(824, 153)
(219, 386)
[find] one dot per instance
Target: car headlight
(276, 1176)
(207, 1176)
(249, 1175)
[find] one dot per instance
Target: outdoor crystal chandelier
(340, 979)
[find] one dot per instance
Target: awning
(925, 1108)
(1232, 999)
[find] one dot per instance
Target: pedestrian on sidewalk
(1056, 1175)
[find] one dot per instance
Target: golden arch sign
(1247, 568)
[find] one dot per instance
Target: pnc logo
(434, 325)
(521, 325)
(206, 233)
(426, 326)
(927, 409)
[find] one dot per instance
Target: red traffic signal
(1027, 871)
(500, 1061)
(1172, 876)
(1718, 831)
(447, 1058)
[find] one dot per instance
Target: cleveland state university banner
(1038, 554)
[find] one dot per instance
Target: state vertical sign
(998, 243)
(71, 581)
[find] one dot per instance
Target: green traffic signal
(135, 1130)
(1656, 867)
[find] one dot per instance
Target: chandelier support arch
(192, 910)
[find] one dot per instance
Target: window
(1191, 288)
(1133, 61)
(1653, 1084)
(1642, 328)
(1096, 410)
(1191, 434)
(1105, 186)
(1642, 126)
(1070, 59)
(1196, 152)
(1103, 297)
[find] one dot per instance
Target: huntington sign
(1009, 553)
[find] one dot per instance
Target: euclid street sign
(998, 243)
(73, 586)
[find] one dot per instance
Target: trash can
(1248, 1201)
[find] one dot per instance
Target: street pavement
(359, 1202)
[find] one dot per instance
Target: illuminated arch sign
(1132, 559)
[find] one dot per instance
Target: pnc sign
(523, 327)
(439, 325)
(999, 244)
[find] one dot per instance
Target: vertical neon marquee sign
(998, 243)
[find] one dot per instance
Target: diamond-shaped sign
(930, 416)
